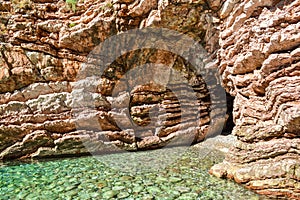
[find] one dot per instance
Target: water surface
(103, 178)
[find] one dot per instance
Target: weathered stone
(43, 94)
(29, 144)
(44, 47)
(259, 64)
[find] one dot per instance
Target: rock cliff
(44, 44)
(259, 63)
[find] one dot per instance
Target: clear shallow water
(89, 178)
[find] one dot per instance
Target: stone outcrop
(259, 61)
(45, 44)
(43, 47)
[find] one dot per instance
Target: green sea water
(102, 177)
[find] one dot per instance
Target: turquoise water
(89, 178)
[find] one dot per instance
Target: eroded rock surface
(43, 46)
(259, 62)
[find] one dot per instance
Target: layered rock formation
(259, 60)
(43, 47)
(45, 44)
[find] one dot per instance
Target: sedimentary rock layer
(43, 47)
(259, 60)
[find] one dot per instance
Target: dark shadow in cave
(229, 124)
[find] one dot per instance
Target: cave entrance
(229, 124)
(182, 107)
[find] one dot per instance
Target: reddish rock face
(259, 64)
(44, 45)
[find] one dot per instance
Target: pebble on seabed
(88, 178)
